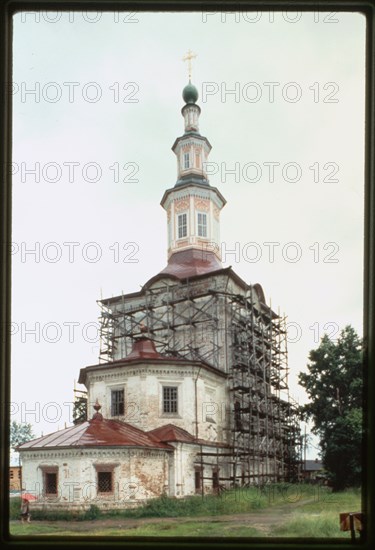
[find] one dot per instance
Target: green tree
(334, 385)
(20, 433)
(79, 409)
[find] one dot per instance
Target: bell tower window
(182, 226)
(202, 224)
(186, 161)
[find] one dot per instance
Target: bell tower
(192, 205)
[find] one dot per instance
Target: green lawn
(235, 501)
(180, 529)
(321, 517)
(280, 511)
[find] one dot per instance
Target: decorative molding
(201, 204)
(194, 191)
(173, 371)
(181, 205)
(94, 453)
(192, 140)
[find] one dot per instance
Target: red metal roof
(169, 432)
(191, 262)
(98, 432)
(144, 348)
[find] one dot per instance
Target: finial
(143, 327)
(188, 57)
(97, 407)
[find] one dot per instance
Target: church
(190, 395)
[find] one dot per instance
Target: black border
(7, 9)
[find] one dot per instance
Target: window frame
(47, 471)
(186, 160)
(109, 472)
(185, 225)
(47, 483)
(202, 227)
(118, 403)
(172, 402)
(108, 468)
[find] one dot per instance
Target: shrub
(15, 508)
(92, 513)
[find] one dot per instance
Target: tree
(334, 385)
(79, 409)
(20, 433)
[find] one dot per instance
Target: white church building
(187, 397)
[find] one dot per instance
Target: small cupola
(97, 415)
(143, 348)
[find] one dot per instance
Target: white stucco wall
(188, 460)
(138, 474)
(202, 397)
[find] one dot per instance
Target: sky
(97, 100)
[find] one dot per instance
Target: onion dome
(190, 93)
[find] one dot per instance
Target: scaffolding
(265, 427)
(214, 320)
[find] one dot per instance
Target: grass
(235, 501)
(306, 526)
(320, 518)
(189, 529)
(301, 511)
(165, 529)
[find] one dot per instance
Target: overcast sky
(106, 107)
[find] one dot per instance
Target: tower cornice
(189, 188)
(191, 136)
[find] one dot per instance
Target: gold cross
(188, 57)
